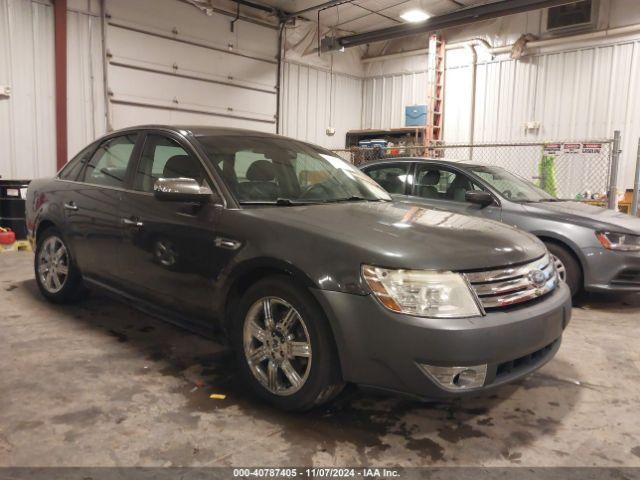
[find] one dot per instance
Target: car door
(91, 207)
(169, 252)
(444, 187)
(395, 178)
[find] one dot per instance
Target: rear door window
(75, 165)
(108, 165)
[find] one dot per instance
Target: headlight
(423, 293)
(619, 241)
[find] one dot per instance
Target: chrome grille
(508, 286)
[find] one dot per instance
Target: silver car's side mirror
(181, 190)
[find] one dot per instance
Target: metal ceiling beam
(460, 17)
(257, 6)
(320, 6)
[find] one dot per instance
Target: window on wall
(576, 15)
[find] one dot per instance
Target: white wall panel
(27, 133)
(27, 117)
(310, 104)
(85, 100)
(385, 98)
(580, 93)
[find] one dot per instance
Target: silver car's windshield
(280, 171)
(511, 186)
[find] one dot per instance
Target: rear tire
(57, 276)
(568, 267)
(284, 346)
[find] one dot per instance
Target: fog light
(456, 378)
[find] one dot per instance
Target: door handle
(227, 243)
(134, 223)
(70, 206)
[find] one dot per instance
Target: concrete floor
(100, 384)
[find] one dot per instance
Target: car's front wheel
(56, 275)
(285, 347)
(567, 267)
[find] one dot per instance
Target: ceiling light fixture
(414, 15)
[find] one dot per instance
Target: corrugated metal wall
(386, 96)
(85, 100)
(27, 134)
(581, 93)
(314, 99)
(27, 117)
(182, 66)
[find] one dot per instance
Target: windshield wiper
(356, 198)
(281, 202)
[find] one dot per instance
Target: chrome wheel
(560, 268)
(53, 264)
(277, 346)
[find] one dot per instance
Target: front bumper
(610, 271)
(383, 349)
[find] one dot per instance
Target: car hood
(585, 215)
(401, 235)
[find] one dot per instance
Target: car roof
(204, 130)
(385, 161)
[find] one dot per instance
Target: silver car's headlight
(424, 293)
(619, 241)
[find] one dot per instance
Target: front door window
(163, 157)
(439, 183)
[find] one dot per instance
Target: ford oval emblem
(537, 277)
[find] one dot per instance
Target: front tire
(57, 276)
(284, 346)
(567, 266)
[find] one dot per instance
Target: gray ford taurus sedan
(593, 248)
(315, 276)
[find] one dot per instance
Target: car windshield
(280, 171)
(511, 186)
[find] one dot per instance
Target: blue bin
(415, 116)
(376, 142)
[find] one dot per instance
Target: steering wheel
(315, 191)
(507, 194)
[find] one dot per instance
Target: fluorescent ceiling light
(414, 15)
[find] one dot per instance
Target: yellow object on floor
(24, 245)
(9, 248)
(217, 396)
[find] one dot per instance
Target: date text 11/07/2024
(315, 473)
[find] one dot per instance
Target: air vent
(571, 17)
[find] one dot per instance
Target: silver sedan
(594, 249)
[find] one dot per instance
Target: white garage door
(169, 63)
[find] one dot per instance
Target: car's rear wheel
(284, 346)
(567, 267)
(56, 275)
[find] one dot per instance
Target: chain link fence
(568, 169)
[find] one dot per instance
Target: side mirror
(478, 197)
(180, 190)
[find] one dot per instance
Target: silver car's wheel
(277, 346)
(53, 264)
(560, 268)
